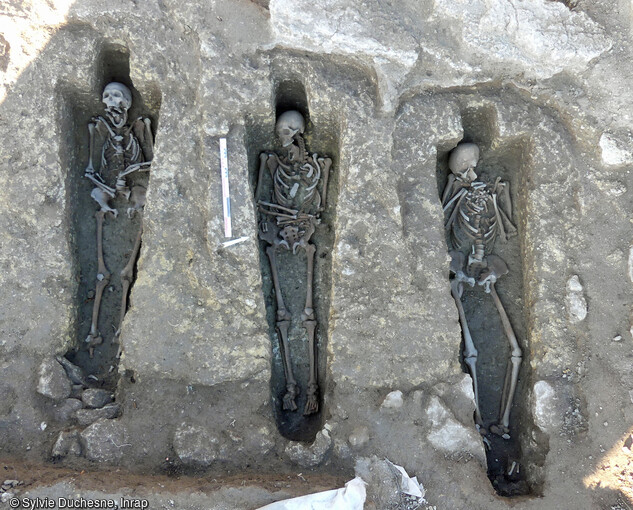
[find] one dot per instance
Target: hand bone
(137, 199)
(487, 279)
(495, 270)
(98, 182)
(460, 276)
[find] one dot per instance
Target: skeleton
(127, 148)
(476, 214)
(288, 221)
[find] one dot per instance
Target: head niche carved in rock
(288, 125)
(118, 100)
(463, 160)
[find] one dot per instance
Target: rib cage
(475, 227)
(117, 155)
(297, 189)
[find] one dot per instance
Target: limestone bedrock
(390, 87)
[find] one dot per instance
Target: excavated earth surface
(189, 416)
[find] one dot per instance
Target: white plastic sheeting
(350, 497)
(409, 485)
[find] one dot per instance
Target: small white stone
(43, 426)
(544, 406)
(466, 386)
(575, 299)
(613, 153)
(359, 437)
(574, 284)
(617, 338)
(393, 400)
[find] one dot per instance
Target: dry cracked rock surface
(388, 89)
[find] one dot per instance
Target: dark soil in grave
(119, 233)
(292, 269)
(507, 161)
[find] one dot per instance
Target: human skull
(118, 100)
(288, 125)
(463, 160)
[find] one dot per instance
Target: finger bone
(137, 199)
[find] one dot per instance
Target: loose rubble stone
(67, 444)
(576, 302)
(341, 449)
(393, 400)
(450, 436)
(104, 441)
(196, 446)
(383, 485)
(64, 411)
(544, 407)
(94, 398)
(6, 496)
(87, 416)
(312, 455)
(359, 437)
(53, 382)
(75, 374)
(76, 391)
